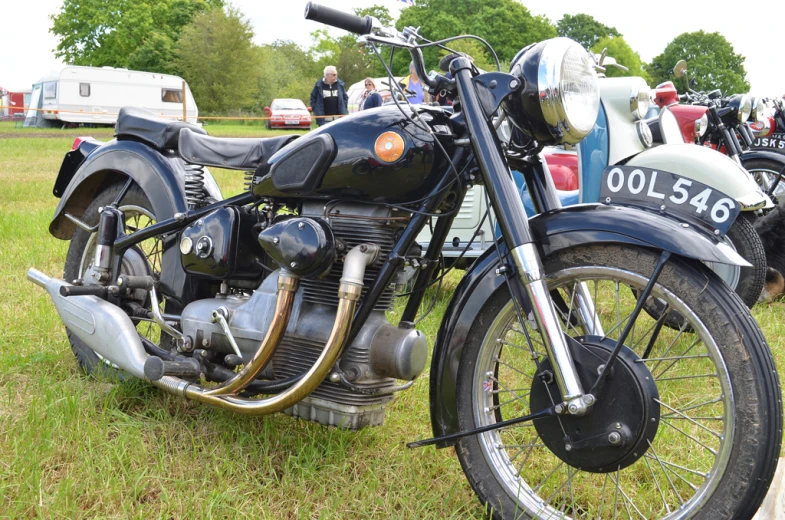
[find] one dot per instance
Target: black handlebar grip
(339, 19)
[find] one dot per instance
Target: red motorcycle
(709, 119)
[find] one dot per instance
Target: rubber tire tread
(755, 462)
(748, 244)
(86, 357)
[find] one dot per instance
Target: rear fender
(159, 176)
(553, 231)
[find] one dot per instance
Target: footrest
(187, 368)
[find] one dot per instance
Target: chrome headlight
(640, 100)
(758, 109)
(743, 106)
(701, 125)
(560, 99)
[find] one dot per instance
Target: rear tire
(735, 410)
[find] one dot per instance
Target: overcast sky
(753, 29)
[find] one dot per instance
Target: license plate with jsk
(669, 193)
(292, 121)
(772, 142)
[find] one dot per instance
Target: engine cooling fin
(353, 232)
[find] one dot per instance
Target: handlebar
(339, 19)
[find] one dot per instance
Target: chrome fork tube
(590, 321)
(532, 275)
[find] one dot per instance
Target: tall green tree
(711, 61)
(285, 71)
(584, 29)
(506, 24)
(624, 55)
(136, 34)
(217, 57)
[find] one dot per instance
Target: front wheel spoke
(672, 358)
(710, 450)
(538, 486)
(602, 497)
(665, 472)
(677, 378)
(498, 360)
(626, 500)
(674, 363)
(688, 470)
(656, 483)
(699, 405)
(693, 421)
(671, 344)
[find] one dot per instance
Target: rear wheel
(689, 422)
(141, 260)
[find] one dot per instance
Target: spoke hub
(618, 427)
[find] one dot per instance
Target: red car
(288, 113)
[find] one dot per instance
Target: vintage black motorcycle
(561, 397)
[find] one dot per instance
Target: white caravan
(95, 95)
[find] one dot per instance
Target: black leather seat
(138, 123)
(231, 153)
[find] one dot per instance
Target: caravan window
(84, 89)
(50, 90)
(170, 95)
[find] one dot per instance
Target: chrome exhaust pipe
(287, 287)
(349, 292)
(103, 327)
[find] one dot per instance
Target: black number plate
(670, 193)
(772, 142)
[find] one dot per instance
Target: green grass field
(75, 447)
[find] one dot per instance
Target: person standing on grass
(328, 97)
(371, 98)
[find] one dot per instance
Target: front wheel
(766, 172)
(687, 424)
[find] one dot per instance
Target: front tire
(716, 445)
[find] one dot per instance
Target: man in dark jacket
(328, 97)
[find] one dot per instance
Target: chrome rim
(136, 218)
(765, 179)
(730, 274)
(687, 458)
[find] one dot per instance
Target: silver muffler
(103, 327)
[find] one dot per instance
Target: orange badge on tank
(389, 147)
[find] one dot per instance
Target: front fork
(509, 210)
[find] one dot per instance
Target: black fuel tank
(339, 160)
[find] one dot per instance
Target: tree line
(210, 44)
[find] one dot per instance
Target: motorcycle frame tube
(513, 221)
(397, 256)
(440, 232)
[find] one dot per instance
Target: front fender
(707, 166)
(552, 231)
(766, 155)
